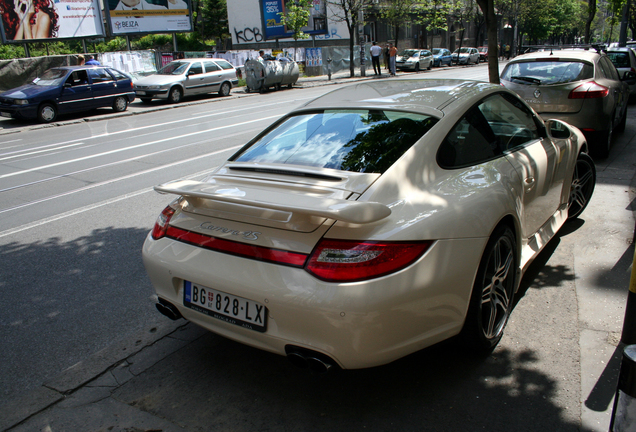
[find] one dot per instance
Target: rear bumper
(359, 325)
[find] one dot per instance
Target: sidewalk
(138, 384)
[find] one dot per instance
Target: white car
(372, 222)
(414, 59)
(465, 56)
(187, 77)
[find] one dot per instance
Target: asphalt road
(76, 203)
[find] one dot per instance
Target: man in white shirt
(376, 50)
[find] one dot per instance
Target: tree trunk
(591, 12)
(488, 9)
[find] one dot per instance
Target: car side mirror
(629, 77)
(67, 85)
(557, 129)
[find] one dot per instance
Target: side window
(224, 64)
(499, 123)
(602, 69)
(79, 77)
(210, 66)
(99, 75)
(195, 69)
(118, 75)
(611, 71)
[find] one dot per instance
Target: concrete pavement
(572, 302)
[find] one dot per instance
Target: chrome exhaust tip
(308, 359)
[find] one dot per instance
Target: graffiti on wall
(332, 35)
(248, 35)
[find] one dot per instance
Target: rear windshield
(368, 141)
(548, 72)
(620, 59)
(409, 53)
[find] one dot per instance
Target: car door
(540, 162)
(76, 94)
(618, 90)
(104, 87)
(195, 80)
(213, 75)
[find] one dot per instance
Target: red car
(483, 53)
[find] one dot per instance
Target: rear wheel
(120, 104)
(430, 64)
(175, 95)
(47, 112)
(604, 141)
(583, 182)
(493, 292)
(621, 126)
(225, 89)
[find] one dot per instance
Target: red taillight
(161, 226)
(589, 90)
(350, 261)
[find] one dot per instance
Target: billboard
(31, 20)
(148, 16)
(274, 29)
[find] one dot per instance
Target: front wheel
(492, 297)
(583, 182)
(120, 104)
(47, 113)
(225, 89)
(417, 67)
(175, 95)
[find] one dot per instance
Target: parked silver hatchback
(579, 87)
(187, 77)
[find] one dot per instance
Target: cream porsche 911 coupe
(372, 222)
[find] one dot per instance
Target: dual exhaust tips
(301, 357)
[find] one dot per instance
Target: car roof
(570, 54)
(434, 97)
(619, 49)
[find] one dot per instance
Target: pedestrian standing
(90, 60)
(385, 51)
(392, 54)
(376, 50)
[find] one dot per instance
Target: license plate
(141, 93)
(5, 114)
(232, 309)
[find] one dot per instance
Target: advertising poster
(313, 56)
(274, 28)
(148, 16)
(25, 20)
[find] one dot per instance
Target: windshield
(409, 53)
(548, 72)
(51, 77)
(367, 141)
(174, 68)
(437, 51)
(462, 50)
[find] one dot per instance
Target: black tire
(120, 104)
(492, 297)
(621, 126)
(430, 65)
(175, 95)
(417, 67)
(146, 100)
(225, 89)
(47, 112)
(582, 186)
(290, 85)
(604, 142)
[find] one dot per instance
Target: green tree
(396, 13)
(348, 11)
(210, 20)
(296, 17)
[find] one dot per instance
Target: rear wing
(332, 208)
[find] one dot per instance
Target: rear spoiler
(332, 208)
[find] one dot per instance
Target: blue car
(68, 89)
(441, 56)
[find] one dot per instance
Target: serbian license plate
(5, 114)
(141, 93)
(232, 309)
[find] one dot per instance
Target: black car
(68, 89)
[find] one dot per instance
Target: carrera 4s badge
(247, 235)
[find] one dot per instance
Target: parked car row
(419, 59)
(69, 89)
